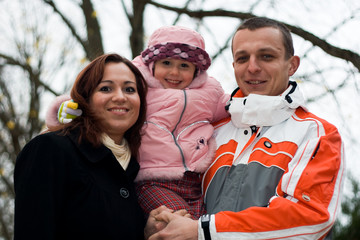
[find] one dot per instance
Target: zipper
(175, 139)
(250, 143)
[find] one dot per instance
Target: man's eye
(242, 59)
(267, 56)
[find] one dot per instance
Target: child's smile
(174, 73)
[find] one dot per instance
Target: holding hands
(163, 223)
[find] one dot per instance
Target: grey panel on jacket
(238, 187)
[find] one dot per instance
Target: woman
(77, 183)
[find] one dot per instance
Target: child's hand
(68, 111)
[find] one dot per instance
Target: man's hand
(68, 111)
(178, 227)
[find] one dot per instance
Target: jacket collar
(97, 154)
(91, 153)
(261, 110)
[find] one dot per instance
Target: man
(278, 170)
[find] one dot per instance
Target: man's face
(259, 63)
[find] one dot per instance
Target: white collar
(261, 110)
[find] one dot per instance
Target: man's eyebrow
(240, 52)
(272, 49)
(261, 50)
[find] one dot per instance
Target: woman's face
(116, 101)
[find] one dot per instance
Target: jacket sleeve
(39, 183)
(220, 101)
(306, 201)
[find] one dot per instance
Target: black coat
(65, 190)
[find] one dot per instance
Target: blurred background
(44, 44)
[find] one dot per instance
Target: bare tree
(25, 66)
(92, 41)
(330, 49)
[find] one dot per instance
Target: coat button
(305, 197)
(124, 192)
(267, 144)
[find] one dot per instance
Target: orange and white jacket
(278, 171)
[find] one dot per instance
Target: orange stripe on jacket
(224, 157)
(277, 154)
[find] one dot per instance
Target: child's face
(174, 73)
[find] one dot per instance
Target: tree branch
(9, 186)
(4, 227)
(14, 62)
(137, 27)
(68, 24)
(345, 54)
(94, 46)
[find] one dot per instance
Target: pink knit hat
(179, 43)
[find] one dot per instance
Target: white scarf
(121, 152)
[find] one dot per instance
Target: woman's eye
(130, 89)
(105, 89)
(184, 65)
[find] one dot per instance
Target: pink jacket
(178, 131)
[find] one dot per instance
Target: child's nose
(174, 70)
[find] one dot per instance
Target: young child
(182, 101)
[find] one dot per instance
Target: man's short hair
(261, 22)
